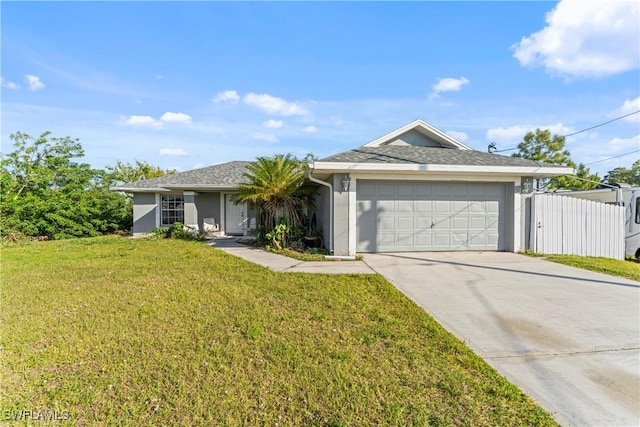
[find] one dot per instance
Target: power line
(602, 124)
(611, 158)
(492, 145)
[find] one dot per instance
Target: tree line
(47, 192)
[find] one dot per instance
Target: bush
(177, 230)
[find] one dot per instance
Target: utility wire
(614, 157)
(583, 130)
(602, 124)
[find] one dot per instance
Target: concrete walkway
(569, 338)
(285, 264)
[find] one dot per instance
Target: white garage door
(394, 216)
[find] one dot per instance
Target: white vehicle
(624, 195)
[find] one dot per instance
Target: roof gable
(418, 134)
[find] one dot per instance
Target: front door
(234, 215)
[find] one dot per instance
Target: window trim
(179, 212)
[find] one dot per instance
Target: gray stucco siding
(340, 217)
(144, 213)
(208, 206)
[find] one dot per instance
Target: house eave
(139, 190)
(216, 187)
(535, 171)
(174, 187)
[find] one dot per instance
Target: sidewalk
(285, 264)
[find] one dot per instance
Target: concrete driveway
(568, 337)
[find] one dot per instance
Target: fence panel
(572, 226)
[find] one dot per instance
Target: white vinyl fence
(571, 226)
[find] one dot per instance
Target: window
(171, 209)
(637, 210)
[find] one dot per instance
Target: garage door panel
(405, 223)
(478, 223)
(460, 223)
(386, 240)
(386, 190)
(366, 190)
(404, 240)
(459, 205)
(492, 238)
(404, 190)
(442, 239)
(386, 206)
(440, 190)
(424, 239)
(424, 206)
(459, 190)
(386, 224)
(423, 223)
(459, 239)
(404, 206)
(441, 223)
(423, 216)
(442, 205)
(493, 207)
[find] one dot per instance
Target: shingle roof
(391, 154)
(223, 175)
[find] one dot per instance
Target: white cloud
(143, 121)
(34, 82)
(273, 124)
(8, 84)
(515, 134)
(583, 38)
(274, 105)
(629, 106)
(310, 129)
(173, 152)
(148, 121)
(170, 117)
(460, 136)
(447, 84)
(226, 96)
(264, 137)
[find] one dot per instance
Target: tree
(630, 176)
(277, 186)
(123, 173)
(45, 192)
(541, 146)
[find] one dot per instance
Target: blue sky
(185, 85)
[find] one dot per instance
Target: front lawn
(163, 332)
(623, 268)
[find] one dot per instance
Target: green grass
(120, 331)
(300, 256)
(627, 268)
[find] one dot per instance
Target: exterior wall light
(345, 183)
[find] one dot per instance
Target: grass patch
(305, 256)
(121, 331)
(623, 268)
(301, 256)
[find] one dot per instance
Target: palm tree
(277, 185)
